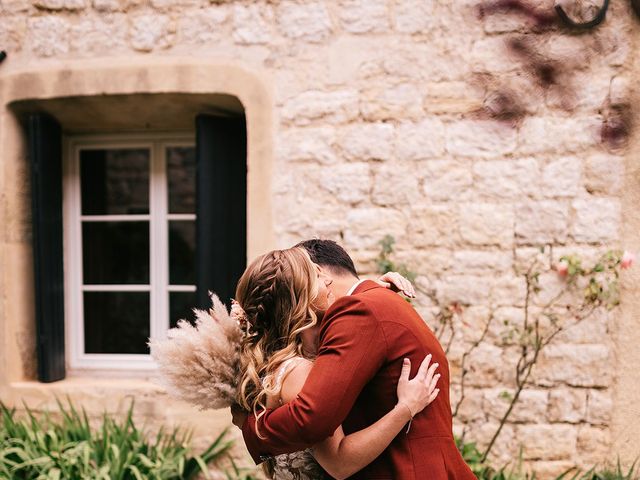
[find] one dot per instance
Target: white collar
(355, 285)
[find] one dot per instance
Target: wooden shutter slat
(221, 192)
(45, 157)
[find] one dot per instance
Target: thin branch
(465, 355)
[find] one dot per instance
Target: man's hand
(397, 283)
(238, 415)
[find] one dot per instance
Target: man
(364, 337)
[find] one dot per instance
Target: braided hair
(277, 292)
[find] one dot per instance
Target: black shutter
(221, 192)
(45, 156)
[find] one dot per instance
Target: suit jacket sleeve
(352, 349)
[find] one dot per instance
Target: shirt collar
(353, 288)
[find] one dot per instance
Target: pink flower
(627, 260)
(455, 308)
(562, 268)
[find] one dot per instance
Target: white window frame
(158, 218)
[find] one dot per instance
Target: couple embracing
(341, 377)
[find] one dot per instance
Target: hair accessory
(240, 316)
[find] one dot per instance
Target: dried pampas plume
(200, 363)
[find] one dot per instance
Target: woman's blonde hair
(277, 292)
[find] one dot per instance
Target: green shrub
(483, 470)
(617, 473)
(515, 471)
(37, 447)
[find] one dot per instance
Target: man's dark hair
(329, 254)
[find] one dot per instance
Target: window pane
(180, 307)
(114, 181)
(181, 174)
(115, 253)
(116, 322)
(182, 246)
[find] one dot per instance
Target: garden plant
(548, 311)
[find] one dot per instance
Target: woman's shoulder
(293, 377)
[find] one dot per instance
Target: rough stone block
(106, 33)
(596, 219)
(366, 227)
(594, 89)
(531, 406)
(395, 185)
(539, 223)
(506, 447)
(480, 261)
(446, 181)
(15, 6)
(508, 290)
(575, 365)
(503, 23)
(558, 135)
(590, 330)
(108, 5)
(620, 89)
(349, 183)
(567, 405)
(421, 140)
(604, 174)
(491, 55)
(562, 178)
(465, 289)
(252, 24)
(526, 256)
(60, 4)
(471, 408)
(593, 443)
(434, 225)
(414, 16)
(48, 35)
(308, 21)
(551, 469)
(480, 138)
(152, 31)
(390, 102)
(166, 4)
(599, 407)
(336, 107)
(357, 16)
(427, 262)
(308, 144)
(505, 320)
(487, 224)
(471, 323)
(537, 444)
(507, 178)
(485, 366)
(12, 33)
(203, 25)
(367, 141)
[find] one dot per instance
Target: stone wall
(415, 118)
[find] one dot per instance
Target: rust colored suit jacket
(363, 339)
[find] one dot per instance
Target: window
(130, 230)
(144, 226)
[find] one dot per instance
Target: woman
(279, 298)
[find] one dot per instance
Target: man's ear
(325, 274)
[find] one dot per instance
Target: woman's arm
(342, 456)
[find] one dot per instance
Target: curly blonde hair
(277, 293)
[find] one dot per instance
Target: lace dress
(296, 465)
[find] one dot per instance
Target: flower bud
(562, 268)
(627, 260)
